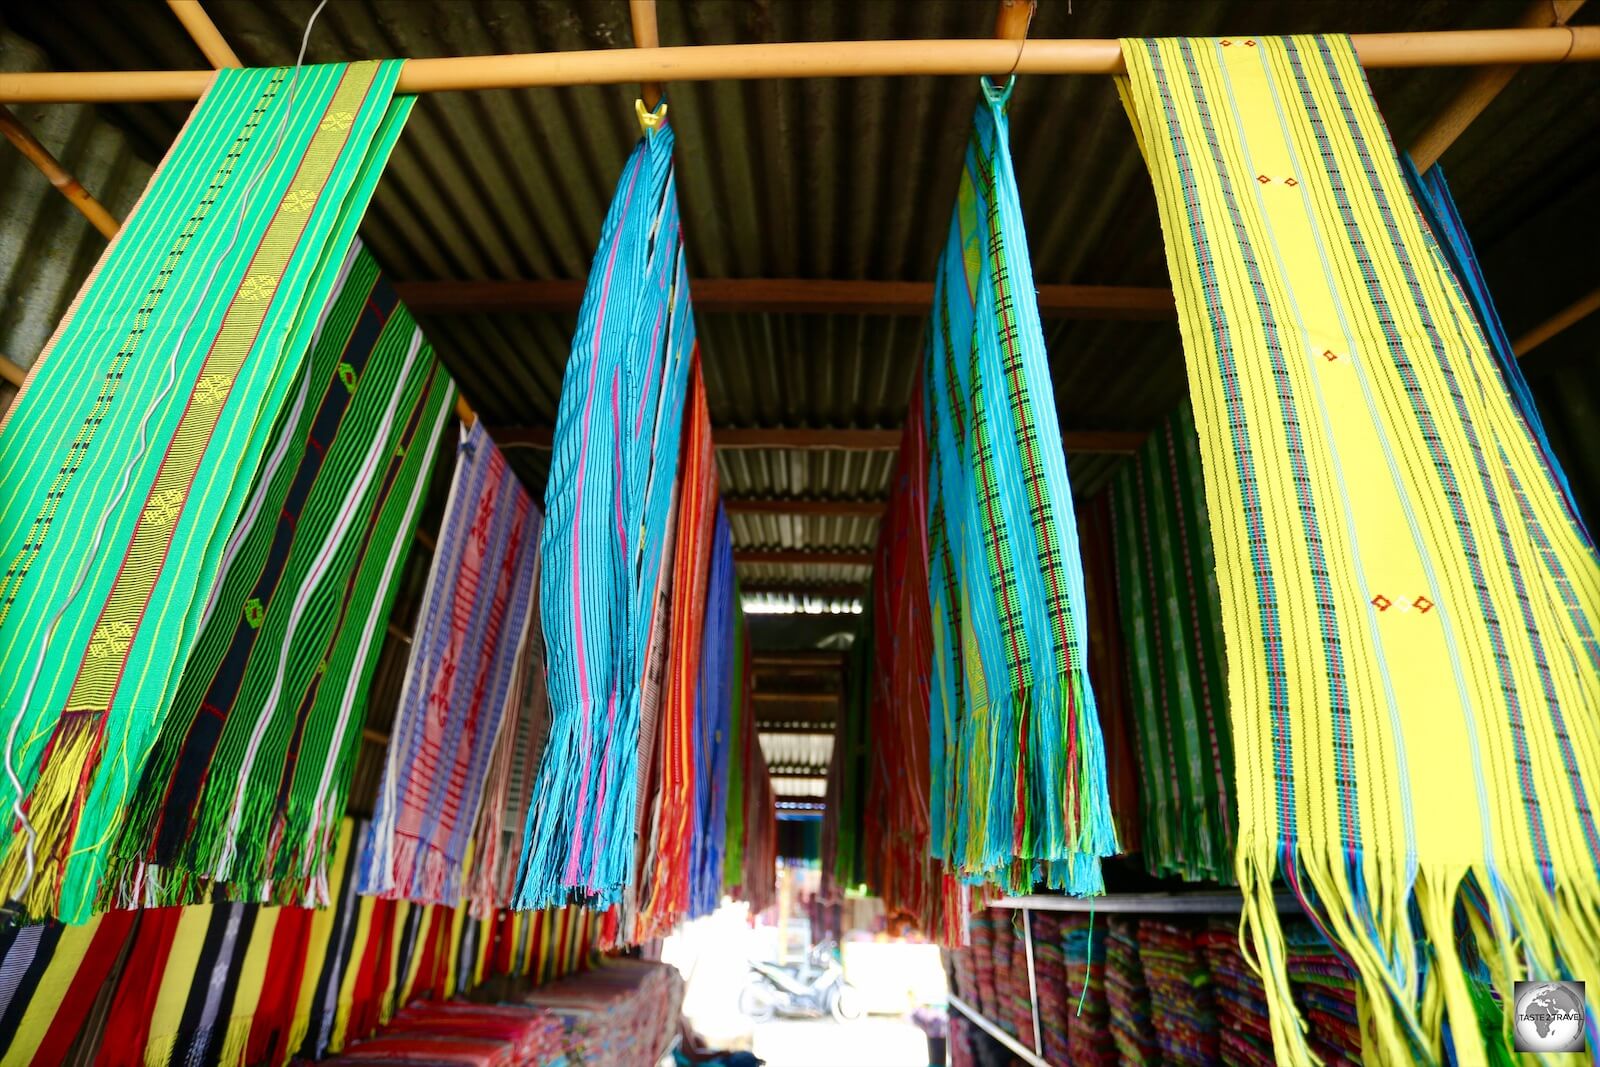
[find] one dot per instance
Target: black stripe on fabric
(324, 1000)
(190, 771)
(234, 967)
(33, 956)
(206, 971)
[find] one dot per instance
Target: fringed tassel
(54, 808)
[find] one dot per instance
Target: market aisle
(824, 1043)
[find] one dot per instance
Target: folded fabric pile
(983, 935)
(469, 1035)
(1051, 978)
(1245, 1030)
(1083, 953)
(1182, 1007)
(1325, 991)
(622, 1012)
(1128, 998)
(1003, 954)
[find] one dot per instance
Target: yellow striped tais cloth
(1410, 614)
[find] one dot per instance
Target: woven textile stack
(1050, 974)
(1128, 998)
(1325, 991)
(1182, 1007)
(1083, 949)
(464, 1035)
(1246, 1033)
(622, 1012)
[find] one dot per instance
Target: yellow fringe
(53, 806)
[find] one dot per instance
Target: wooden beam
(1573, 313)
(204, 33)
(12, 373)
(1111, 442)
(790, 295)
(807, 658)
(764, 696)
(804, 439)
(808, 59)
(791, 726)
(57, 175)
(642, 13)
(826, 591)
(833, 508)
(804, 556)
(1482, 87)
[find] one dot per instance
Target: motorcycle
(812, 989)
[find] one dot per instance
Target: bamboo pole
(813, 59)
(1011, 23)
(642, 13)
(65, 183)
(1482, 87)
(204, 33)
(11, 373)
(1570, 315)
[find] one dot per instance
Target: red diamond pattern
(1290, 181)
(1422, 604)
(1381, 602)
(1263, 179)
(1330, 355)
(1226, 42)
(1249, 44)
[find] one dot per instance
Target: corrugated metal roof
(837, 178)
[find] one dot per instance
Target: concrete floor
(871, 1042)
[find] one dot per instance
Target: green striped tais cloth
(1019, 787)
(131, 452)
(247, 781)
(1172, 623)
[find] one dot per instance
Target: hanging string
(1088, 959)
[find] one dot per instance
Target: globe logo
(1549, 1017)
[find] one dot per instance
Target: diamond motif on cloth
(1263, 179)
(110, 639)
(163, 508)
(337, 121)
(212, 389)
(1330, 355)
(257, 288)
(1422, 604)
(298, 200)
(1381, 602)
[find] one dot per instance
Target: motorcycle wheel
(757, 1003)
(844, 1003)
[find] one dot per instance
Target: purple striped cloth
(463, 655)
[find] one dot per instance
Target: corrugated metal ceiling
(851, 179)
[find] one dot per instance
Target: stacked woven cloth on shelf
(1172, 633)
(624, 1011)
(1083, 956)
(1408, 602)
(1128, 998)
(608, 502)
(1245, 1037)
(459, 1034)
(134, 448)
(470, 630)
(1051, 979)
(1018, 789)
(1325, 992)
(1182, 1004)
(246, 783)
